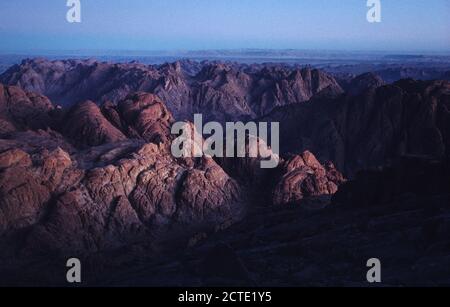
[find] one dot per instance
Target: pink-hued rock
(305, 177)
(85, 125)
(146, 115)
(125, 202)
(122, 184)
(21, 110)
(27, 183)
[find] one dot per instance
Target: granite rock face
(86, 126)
(127, 200)
(21, 110)
(304, 177)
(103, 178)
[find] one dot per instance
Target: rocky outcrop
(86, 126)
(26, 185)
(70, 209)
(139, 116)
(118, 185)
(146, 115)
(304, 177)
(21, 110)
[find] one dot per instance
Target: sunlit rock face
(104, 177)
(303, 177)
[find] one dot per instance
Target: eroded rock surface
(105, 180)
(303, 177)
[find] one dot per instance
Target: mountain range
(226, 92)
(86, 169)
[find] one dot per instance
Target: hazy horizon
(120, 52)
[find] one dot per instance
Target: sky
(407, 25)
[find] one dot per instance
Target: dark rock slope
(367, 130)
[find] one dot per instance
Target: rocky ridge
(220, 91)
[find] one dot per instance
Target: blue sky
(407, 25)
